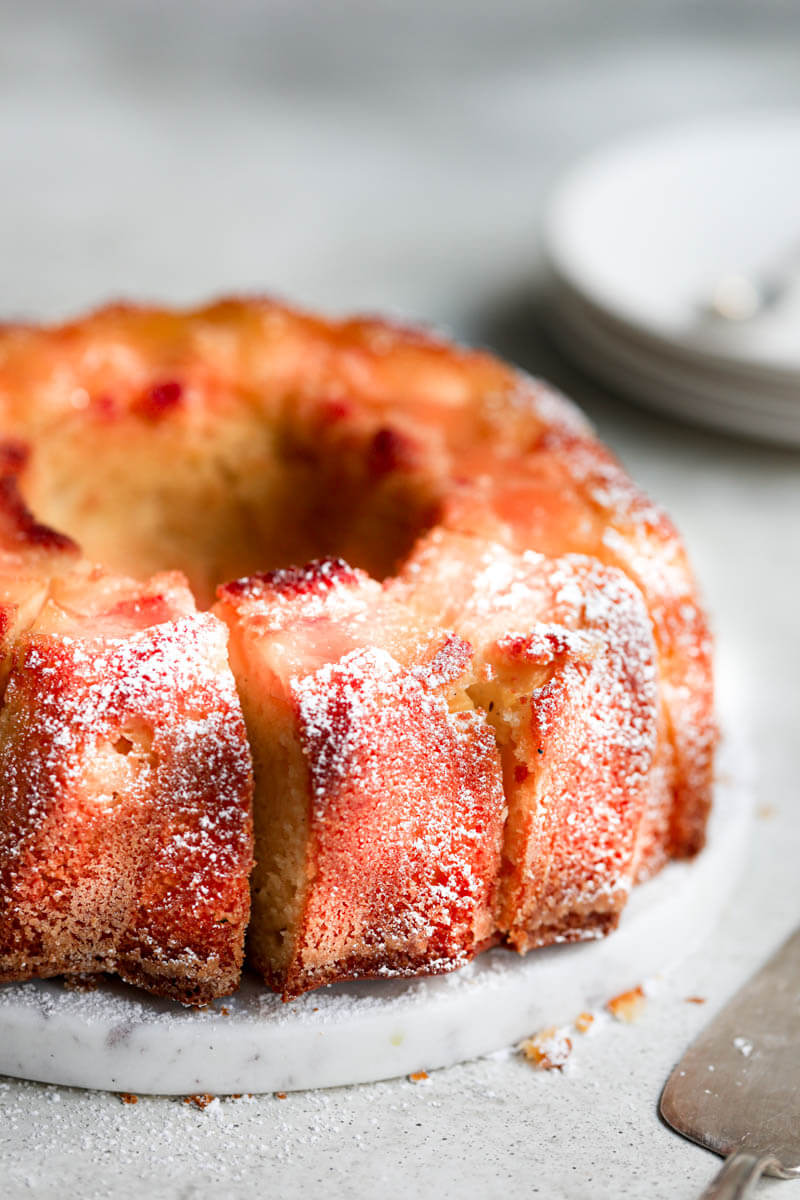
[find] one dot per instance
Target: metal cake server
(737, 1088)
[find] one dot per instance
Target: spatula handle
(738, 1177)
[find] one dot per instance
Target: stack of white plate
(675, 267)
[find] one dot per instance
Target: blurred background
(349, 155)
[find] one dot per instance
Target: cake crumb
(200, 1100)
(128, 1098)
(88, 981)
(584, 1022)
(695, 999)
(547, 1050)
(627, 1006)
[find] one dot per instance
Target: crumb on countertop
(547, 1050)
(584, 1022)
(627, 1006)
(86, 981)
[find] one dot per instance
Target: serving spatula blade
(736, 1090)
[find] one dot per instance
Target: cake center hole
(228, 498)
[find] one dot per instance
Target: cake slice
(565, 675)
(379, 805)
(125, 780)
(568, 495)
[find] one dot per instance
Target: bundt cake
(479, 713)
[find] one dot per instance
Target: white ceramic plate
(645, 230)
(743, 406)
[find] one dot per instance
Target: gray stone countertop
(396, 157)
